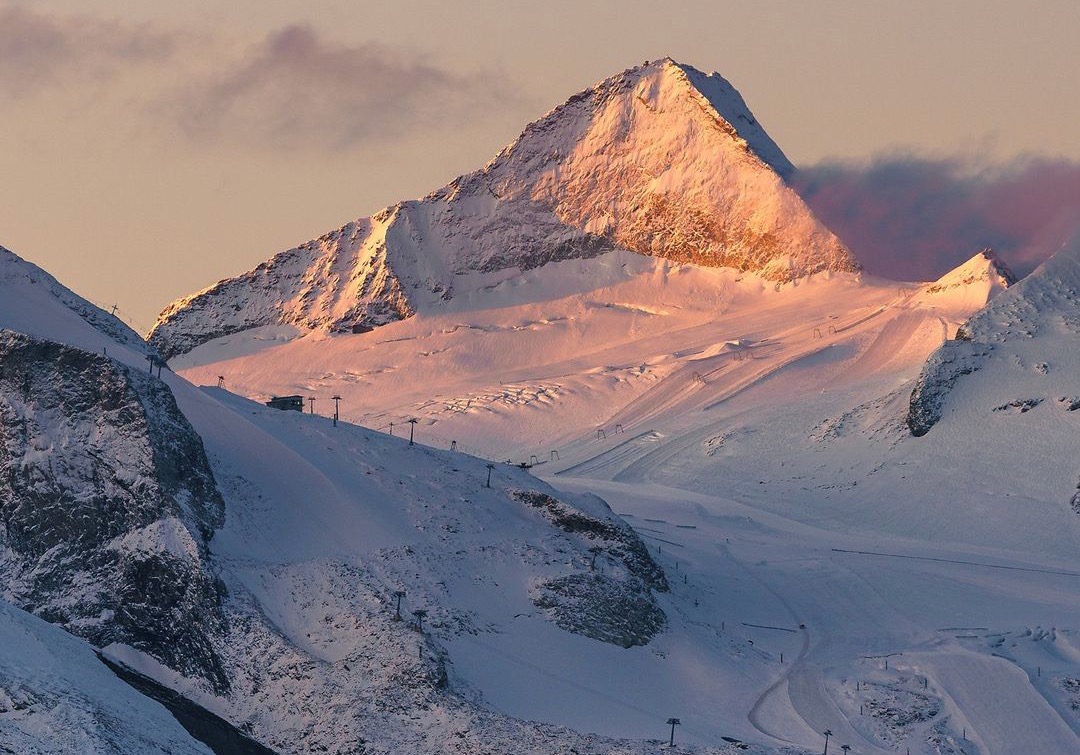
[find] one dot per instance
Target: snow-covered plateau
(585, 482)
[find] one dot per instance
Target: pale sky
(148, 149)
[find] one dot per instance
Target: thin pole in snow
(674, 722)
(311, 404)
(412, 424)
(336, 400)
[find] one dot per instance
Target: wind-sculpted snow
(107, 502)
(661, 160)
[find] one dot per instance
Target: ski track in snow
(751, 507)
(717, 452)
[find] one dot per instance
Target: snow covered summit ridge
(1043, 308)
(662, 160)
(21, 281)
(985, 266)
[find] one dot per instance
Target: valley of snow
(779, 554)
(755, 436)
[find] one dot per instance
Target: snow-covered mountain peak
(661, 160)
(1045, 298)
(662, 87)
(985, 267)
(1036, 322)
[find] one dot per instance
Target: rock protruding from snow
(1045, 303)
(662, 160)
(107, 501)
(613, 604)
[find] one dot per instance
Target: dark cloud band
(914, 218)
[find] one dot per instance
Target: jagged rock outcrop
(613, 601)
(951, 361)
(662, 160)
(107, 503)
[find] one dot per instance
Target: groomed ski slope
(755, 439)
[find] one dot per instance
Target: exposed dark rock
(1022, 405)
(622, 612)
(613, 601)
(618, 539)
(213, 731)
(949, 363)
(107, 501)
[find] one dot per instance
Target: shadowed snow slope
(56, 698)
(661, 159)
(322, 525)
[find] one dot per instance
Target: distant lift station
(287, 403)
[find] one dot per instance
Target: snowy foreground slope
(321, 525)
(756, 438)
(661, 160)
(57, 698)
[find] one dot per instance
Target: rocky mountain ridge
(662, 160)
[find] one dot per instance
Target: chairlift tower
(336, 400)
(673, 722)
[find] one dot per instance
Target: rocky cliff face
(107, 502)
(661, 159)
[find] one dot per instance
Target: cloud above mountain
(914, 218)
(294, 88)
(41, 53)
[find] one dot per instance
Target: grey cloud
(915, 218)
(296, 89)
(293, 89)
(40, 52)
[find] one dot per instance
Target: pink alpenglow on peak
(661, 160)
